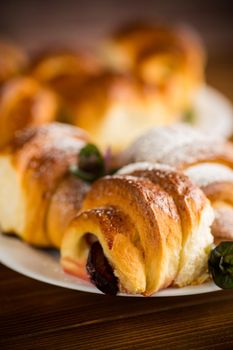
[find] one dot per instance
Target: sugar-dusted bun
(25, 102)
(206, 160)
(153, 225)
(31, 169)
(13, 60)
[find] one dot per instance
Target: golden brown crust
(65, 203)
(191, 203)
(189, 199)
(116, 233)
(23, 103)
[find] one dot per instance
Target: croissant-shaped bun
(153, 227)
(143, 46)
(170, 58)
(32, 168)
(189, 202)
(25, 102)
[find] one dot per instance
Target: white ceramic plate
(43, 265)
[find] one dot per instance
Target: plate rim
(6, 260)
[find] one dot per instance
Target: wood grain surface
(35, 315)
(39, 316)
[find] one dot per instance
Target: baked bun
(64, 71)
(153, 227)
(25, 102)
(133, 42)
(32, 168)
(207, 161)
(13, 61)
(116, 108)
(170, 58)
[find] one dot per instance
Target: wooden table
(39, 316)
(35, 315)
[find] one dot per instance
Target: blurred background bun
(117, 76)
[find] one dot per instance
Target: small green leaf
(189, 116)
(90, 165)
(81, 174)
(221, 265)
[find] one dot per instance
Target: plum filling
(100, 271)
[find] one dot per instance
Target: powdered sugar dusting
(168, 144)
(130, 168)
(48, 151)
(65, 145)
(165, 203)
(207, 173)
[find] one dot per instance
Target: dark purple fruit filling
(100, 271)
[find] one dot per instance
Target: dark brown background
(74, 23)
(34, 315)
(84, 22)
